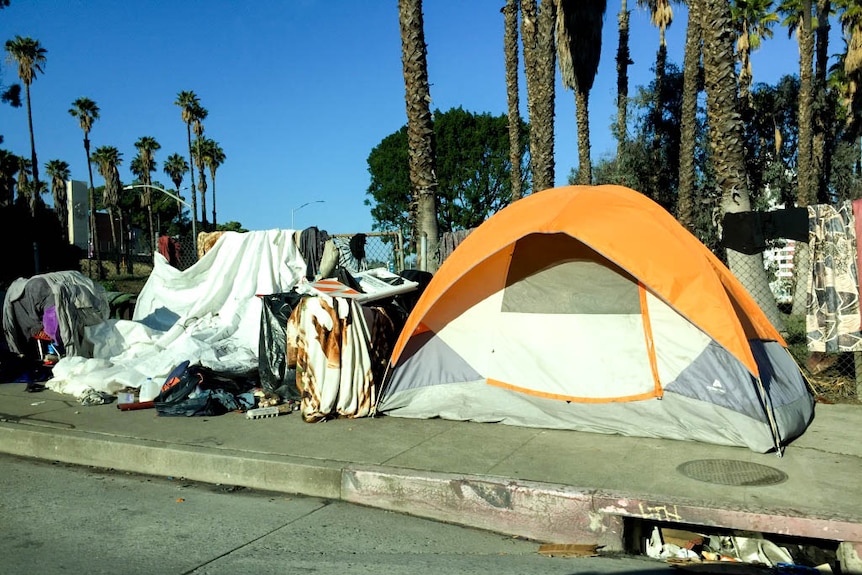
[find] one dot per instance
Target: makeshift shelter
(208, 314)
(593, 309)
(54, 307)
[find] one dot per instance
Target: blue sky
(298, 91)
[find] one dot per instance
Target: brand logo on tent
(716, 387)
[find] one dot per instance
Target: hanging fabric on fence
(833, 317)
(449, 241)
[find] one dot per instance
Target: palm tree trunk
(820, 163)
(582, 111)
(212, 177)
(203, 186)
(537, 32)
(94, 232)
(726, 138)
(510, 49)
(547, 67)
(192, 175)
(151, 241)
(114, 238)
(420, 128)
(32, 140)
(688, 121)
(623, 61)
(806, 193)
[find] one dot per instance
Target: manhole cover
(731, 472)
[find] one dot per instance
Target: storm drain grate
(731, 472)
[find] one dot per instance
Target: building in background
(78, 208)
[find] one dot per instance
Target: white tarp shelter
(207, 314)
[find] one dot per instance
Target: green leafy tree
(651, 162)
(30, 57)
(473, 172)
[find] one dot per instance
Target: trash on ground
(569, 550)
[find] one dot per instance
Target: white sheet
(208, 314)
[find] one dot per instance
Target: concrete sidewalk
(548, 485)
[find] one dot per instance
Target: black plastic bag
(272, 361)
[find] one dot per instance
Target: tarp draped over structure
(73, 300)
(208, 314)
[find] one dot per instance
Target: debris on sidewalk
(738, 553)
(569, 550)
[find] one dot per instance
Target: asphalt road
(58, 518)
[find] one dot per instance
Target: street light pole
(180, 200)
(294, 210)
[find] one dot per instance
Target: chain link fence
(781, 280)
(382, 249)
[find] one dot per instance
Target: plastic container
(149, 390)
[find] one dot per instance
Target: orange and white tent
(591, 308)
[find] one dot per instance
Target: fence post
(400, 251)
(423, 253)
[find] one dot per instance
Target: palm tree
(851, 71)
(199, 145)
(623, 62)
(797, 18)
(510, 48)
(8, 169)
(420, 127)
(147, 146)
(200, 114)
(688, 121)
(754, 20)
(821, 115)
(579, 45)
(30, 56)
(59, 172)
(107, 158)
(661, 16)
(537, 34)
(175, 167)
(23, 185)
(87, 112)
(213, 157)
(726, 142)
(190, 105)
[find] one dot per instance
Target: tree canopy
(473, 172)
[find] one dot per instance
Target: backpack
(175, 399)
